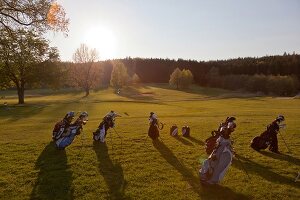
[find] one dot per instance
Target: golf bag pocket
(259, 143)
(174, 130)
(185, 131)
(205, 171)
(58, 131)
(99, 135)
(210, 143)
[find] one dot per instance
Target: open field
(135, 168)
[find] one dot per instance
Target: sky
(189, 29)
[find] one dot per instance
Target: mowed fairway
(134, 167)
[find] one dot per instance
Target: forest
(277, 75)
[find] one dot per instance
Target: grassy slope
(32, 168)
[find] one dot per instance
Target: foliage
(119, 75)
(186, 78)
(5, 82)
(84, 73)
(208, 73)
(181, 79)
(155, 70)
(175, 78)
(274, 85)
(135, 79)
(23, 55)
(37, 15)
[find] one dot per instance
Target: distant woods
(273, 75)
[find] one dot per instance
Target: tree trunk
(87, 92)
(21, 94)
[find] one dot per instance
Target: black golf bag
(100, 133)
(185, 131)
(260, 142)
(153, 131)
(267, 138)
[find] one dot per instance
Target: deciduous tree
(119, 75)
(84, 73)
(23, 55)
(175, 78)
(135, 79)
(186, 78)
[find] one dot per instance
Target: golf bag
(214, 168)
(153, 131)
(267, 138)
(59, 128)
(185, 131)
(211, 142)
(74, 129)
(174, 130)
(62, 126)
(107, 122)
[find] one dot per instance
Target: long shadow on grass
(55, 178)
(263, 171)
(218, 192)
(183, 141)
(111, 172)
(283, 157)
(17, 112)
(199, 142)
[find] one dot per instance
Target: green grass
(135, 168)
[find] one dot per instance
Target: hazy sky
(188, 29)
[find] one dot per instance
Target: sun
(103, 40)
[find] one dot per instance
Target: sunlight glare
(103, 40)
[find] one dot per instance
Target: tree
(181, 79)
(175, 78)
(186, 78)
(135, 79)
(119, 75)
(84, 73)
(22, 55)
(37, 15)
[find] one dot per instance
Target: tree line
(275, 75)
(278, 75)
